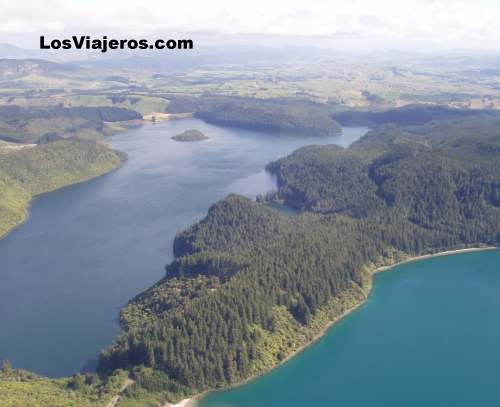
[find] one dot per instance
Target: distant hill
(16, 68)
(34, 124)
(11, 51)
(410, 115)
(203, 56)
(284, 116)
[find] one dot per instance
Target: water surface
(89, 248)
(429, 335)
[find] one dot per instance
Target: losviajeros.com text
(104, 44)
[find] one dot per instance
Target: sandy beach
(429, 256)
(182, 403)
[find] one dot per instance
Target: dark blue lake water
(89, 248)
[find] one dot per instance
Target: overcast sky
(436, 23)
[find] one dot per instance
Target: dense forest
(293, 117)
(250, 285)
(42, 124)
(32, 170)
(20, 388)
(190, 135)
(45, 148)
(409, 115)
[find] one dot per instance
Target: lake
(427, 336)
(89, 248)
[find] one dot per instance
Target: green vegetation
(145, 84)
(291, 117)
(190, 135)
(19, 388)
(409, 115)
(65, 151)
(36, 124)
(33, 170)
(250, 285)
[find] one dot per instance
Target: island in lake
(249, 286)
(190, 135)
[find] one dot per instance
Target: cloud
(456, 23)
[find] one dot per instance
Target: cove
(88, 249)
(427, 336)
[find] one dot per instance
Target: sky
(399, 23)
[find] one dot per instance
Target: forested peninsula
(250, 285)
(46, 148)
(30, 170)
(293, 117)
(43, 124)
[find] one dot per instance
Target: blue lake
(89, 248)
(428, 335)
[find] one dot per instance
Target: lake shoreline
(33, 197)
(192, 401)
(450, 252)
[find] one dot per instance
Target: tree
(6, 367)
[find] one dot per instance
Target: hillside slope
(30, 171)
(289, 117)
(250, 285)
(35, 124)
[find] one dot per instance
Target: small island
(190, 135)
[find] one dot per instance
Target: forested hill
(26, 171)
(435, 173)
(251, 285)
(41, 124)
(409, 115)
(290, 117)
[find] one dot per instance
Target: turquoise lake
(429, 335)
(88, 249)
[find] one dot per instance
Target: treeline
(34, 170)
(250, 284)
(22, 388)
(409, 115)
(437, 180)
(326, 179)
(293, 117)
(204, 323)
(34, 124)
